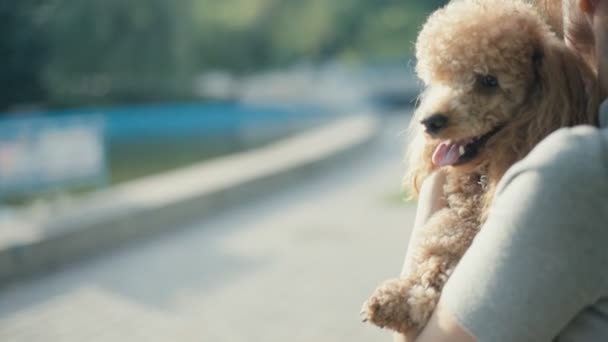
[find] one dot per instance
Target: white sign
(49, 152)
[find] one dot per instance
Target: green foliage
(23, 53)
(267, 33)
(116, 50)
(76, 52)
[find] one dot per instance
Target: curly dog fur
(502, 80)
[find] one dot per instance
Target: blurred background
(114, 111)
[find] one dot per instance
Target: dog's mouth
(456, 153)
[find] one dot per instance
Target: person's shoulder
(576, 149)
(567, 155)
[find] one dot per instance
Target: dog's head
(498, 80)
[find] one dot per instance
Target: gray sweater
(538, 270)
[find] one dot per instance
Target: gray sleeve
(540, 258)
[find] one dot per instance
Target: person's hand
(430, 200)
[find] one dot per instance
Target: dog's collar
(483, 181)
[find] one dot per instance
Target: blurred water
(157, 138)
(134, 123)
(147, 139)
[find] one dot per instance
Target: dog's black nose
(435, 123)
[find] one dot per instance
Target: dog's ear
(551, 10)
(566, 91)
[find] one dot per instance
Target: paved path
(293, 267)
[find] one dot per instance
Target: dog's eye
(488, 81)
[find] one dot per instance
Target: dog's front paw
(388, 306)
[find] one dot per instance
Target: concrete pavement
(40, 237)
(293, 267)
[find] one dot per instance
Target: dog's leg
(406, 304)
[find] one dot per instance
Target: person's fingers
(431, 198)
(435, 185)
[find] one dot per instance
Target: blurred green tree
(119, 51)
(242, 35)
(23, 53)
(85, 52)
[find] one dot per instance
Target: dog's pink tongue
(446, 154)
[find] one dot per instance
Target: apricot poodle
(498, 80)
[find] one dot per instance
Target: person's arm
(441, 323)
(442, 327)
(535, 264)
(430, 201)
(539, 259)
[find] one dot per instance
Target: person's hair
(562, 14)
